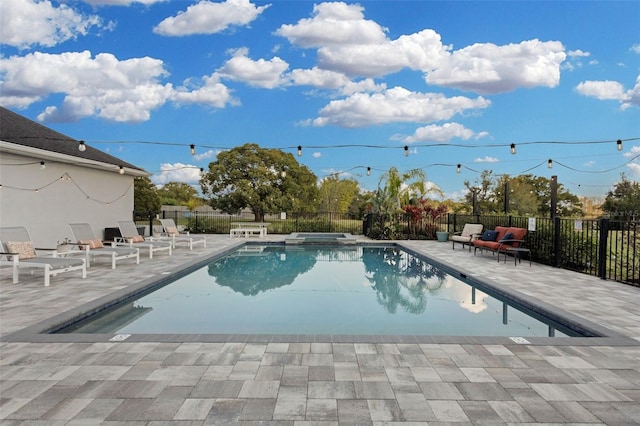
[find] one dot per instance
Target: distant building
(47, 182)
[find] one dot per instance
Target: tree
(177, 193)
(263, 180)
(528, 195)
(145, 195)
(622, 203)
(336, 195)
(402, 187)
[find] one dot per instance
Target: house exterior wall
(90, 195)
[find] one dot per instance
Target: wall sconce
(193, 149)
(550, 163)
(299, 151)
(82, 147)
(406, 151)
(368, 171)
(619, 144)
(513, 148)
(458, 167)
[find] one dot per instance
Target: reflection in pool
(345, 290)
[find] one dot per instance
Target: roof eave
(45, 155)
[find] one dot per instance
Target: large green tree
(623, 201)
(177, 193)
(336, 195)
(145, 195)
(261, 179)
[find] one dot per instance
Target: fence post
(603, 224)
(556, 241)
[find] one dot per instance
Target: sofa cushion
(489, 235)
(508, 236)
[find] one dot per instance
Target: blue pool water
(318, 290)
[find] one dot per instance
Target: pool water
(348, 290)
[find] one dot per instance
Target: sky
(357, 85)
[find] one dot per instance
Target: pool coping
(41, 331)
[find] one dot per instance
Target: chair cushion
(24, 249)
(172, 230)
(93, 244)
(489, 235)
(136, 239)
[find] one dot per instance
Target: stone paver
(310, 381)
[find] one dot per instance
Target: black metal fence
(220, 223)
(601, 247)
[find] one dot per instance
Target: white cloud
(443, 133)
(206, 155)
(393, 106)
(635, 48)
(104, 86)
(332, 80)
(635, 150)
(27, 23)
(420, 51)
(634, 169)
(262, 73)
(208, 17)
(611, 90)
(333, 23)
(486, 159)
(590, 163)
(317, 154)
(350, 44)
(176, 172)
(488, 68)
(207, 92)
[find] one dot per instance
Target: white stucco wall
(94, 196)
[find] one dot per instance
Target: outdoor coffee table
(517, 254)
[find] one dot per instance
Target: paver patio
(306, 380)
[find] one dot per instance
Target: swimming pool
(319, 290)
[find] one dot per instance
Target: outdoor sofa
(500, 240)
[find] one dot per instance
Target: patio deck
(306, 380)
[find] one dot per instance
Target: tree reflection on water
(252, 274)
(401, 279)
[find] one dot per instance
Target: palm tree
(401, 187)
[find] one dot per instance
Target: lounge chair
(470, 232)
(17, 250)
(131, 238)
(86, 239)
(170, 231)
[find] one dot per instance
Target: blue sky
(352, 83)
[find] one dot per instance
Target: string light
(42, 165)
(550, 163)
(513, 148)
(121, 171)
(193, 149)
(406, 151)
(458, 168)
(66, 177)
(82, 147)
(299, 151)
(368, 171)
(619, 144)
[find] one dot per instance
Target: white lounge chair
(470, 232)
(18, 251)
(131, 238)
(170, 231)
(86, 238)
